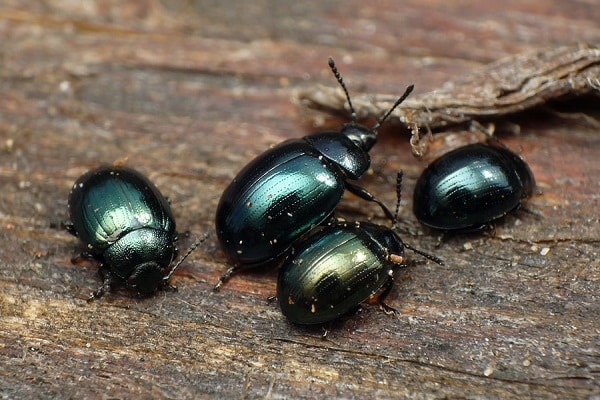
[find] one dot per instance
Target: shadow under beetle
(127, 225)
(469, 187)
(288, 190)
(332, 272)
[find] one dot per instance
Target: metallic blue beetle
(469, 187)
(127, 225)
(331, 273)
(288, 190)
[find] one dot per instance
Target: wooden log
(188, 94)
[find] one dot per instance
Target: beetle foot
(536, 214)
(441, 239)
(489, 229)
(170, 286)
(69, 227)
(366, 195)
(388, 309)
(224, 278)
(104, 289)
(82, 257)
(101, 291)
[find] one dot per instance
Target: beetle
(127, 225)
(335, 270)
(468, 188)
(288, 190)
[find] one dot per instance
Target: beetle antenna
(399, 197)
(189, 251)
(407, 92)
(395, 222)
(340, 80)
(426, 255)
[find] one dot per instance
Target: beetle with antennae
(335, 270)
(127, 225)
(286, 191)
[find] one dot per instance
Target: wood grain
(188, 92)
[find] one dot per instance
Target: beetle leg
(381, 300)
(69, 227)
(271, 299)
(224, 278)
(387, 309)
(366, 195)
(441, 239)
(106, 284)
(170, 286)
(491, 229)
(331, 221)
(82, 256)
(536, 214)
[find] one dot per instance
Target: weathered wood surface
(188, 92)
(513, 84)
